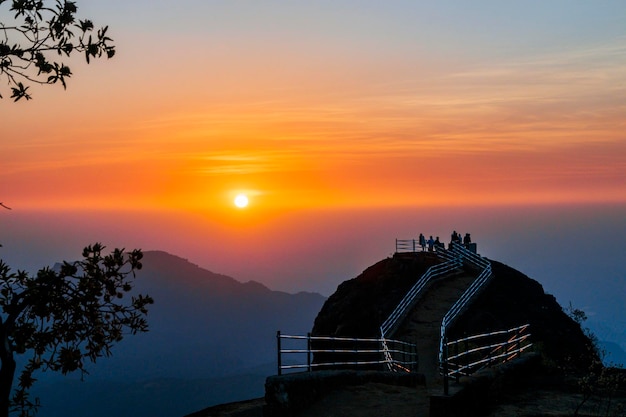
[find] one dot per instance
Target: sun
(241, 200)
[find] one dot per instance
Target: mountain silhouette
(211, 340)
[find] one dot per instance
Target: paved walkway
(423, 325)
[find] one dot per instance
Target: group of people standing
(436, 243)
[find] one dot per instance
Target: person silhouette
(467, 240)
(455, 238)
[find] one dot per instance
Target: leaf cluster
(598, 381)
(601, 383)
(66, 317)
(33, 45)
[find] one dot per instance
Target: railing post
(456, 352)
(507, 353)
(489, 351)
(466, 350)
(445, 366)
(280, 365)
(387, 359)
(404, 349)
(308, 352)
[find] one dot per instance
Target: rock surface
(360, 305)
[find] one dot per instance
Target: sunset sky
(328, 115)
(304, 104)
(348, 124)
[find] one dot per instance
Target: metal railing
(469, 259)
(470, 354)
(413, 245)
(389, 325)
(343, 352)
(408, 245)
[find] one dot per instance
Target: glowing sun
(241, 201)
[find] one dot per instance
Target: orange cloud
(359, 133)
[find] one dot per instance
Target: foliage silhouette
(63, 318)
(598, 382)
(38, 33)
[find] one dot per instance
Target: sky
(323, 104)
(347, 124)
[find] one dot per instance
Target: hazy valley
(211, 340)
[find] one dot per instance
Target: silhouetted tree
(598, 382)
(38, 33)
(63, 318)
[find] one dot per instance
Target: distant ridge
(211, 340)
(171, 270)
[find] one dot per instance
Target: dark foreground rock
(286, 395)
(512, 299)
(250, 408)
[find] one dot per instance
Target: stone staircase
(423, 324)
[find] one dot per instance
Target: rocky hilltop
(564, 360)
(360, 305)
